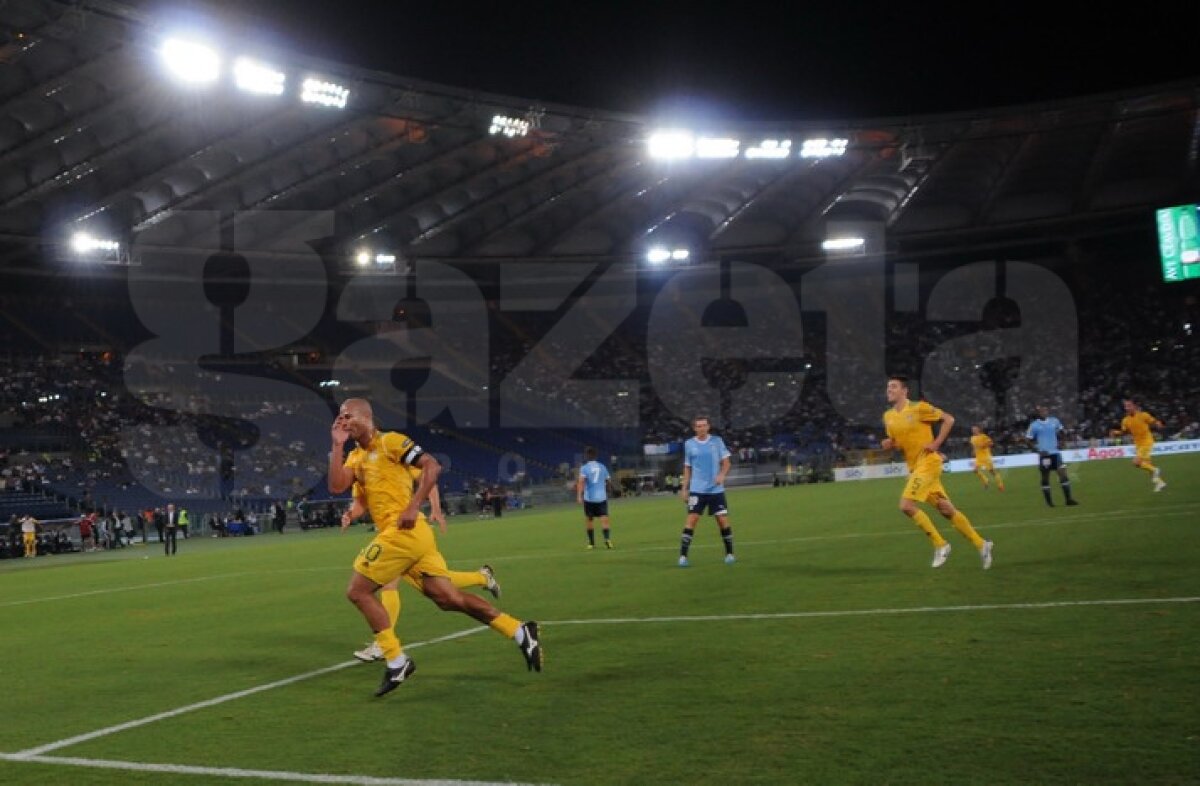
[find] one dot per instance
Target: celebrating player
(909, 427)
(984, 464)
(1137, 423)
(404, 541)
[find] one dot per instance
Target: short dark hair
(589, 453)
(903, 380)
(705, 418)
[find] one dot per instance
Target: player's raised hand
(339, 433)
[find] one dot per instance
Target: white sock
(396, 663)
(519, 636)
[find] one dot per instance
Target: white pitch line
(874, 612)
(234, 772)
(41, 749)
(36, 754)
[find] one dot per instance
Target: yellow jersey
(383, 476)
(983, 446)
(911, 428)
(1138, 425)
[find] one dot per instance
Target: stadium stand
(533, 250)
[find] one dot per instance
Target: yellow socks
(1146, 465)
(922, 520)
(465, 579)
(505, 625)
(391, 601)
(963, 525)
(390, 645)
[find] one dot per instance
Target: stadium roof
(95, 137)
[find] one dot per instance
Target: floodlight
(385, 259)
(843, 243)
(770, 148)
(83, 243)
(363, 258)
(657, 255)
(671, 144)
(190, 62)
(255, 77)
(823, 148)
(509, 126)
(680, 254)
(717, 147)
(322, 93)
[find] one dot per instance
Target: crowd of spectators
(69, 425)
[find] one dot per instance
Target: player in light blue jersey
(705, 465)
(591, 490)
(1044, 432)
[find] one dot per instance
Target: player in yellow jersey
(1137, 423)
(909, 426)
(984, 464)
(389, 595)
(404, 541)
(29, 530)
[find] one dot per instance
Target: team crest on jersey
(372, 456)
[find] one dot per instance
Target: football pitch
(829, 653)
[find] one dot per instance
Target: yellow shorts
(1143, 451)
(395, 552)
(985, 464)
(29, 538)
(925, 481)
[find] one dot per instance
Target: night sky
(742, 61)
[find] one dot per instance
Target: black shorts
(715, 503)
(594, 510)
(1050, 461)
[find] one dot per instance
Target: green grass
(1063, 694)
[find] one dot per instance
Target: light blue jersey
(705, 460)
(1045, 433)
(595, 479)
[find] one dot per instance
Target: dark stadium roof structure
(91, 135)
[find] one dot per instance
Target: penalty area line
(235, 772)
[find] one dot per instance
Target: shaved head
(356, 416)
(359, 406)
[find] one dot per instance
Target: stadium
(210, 250)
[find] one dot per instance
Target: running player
(909, 427)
